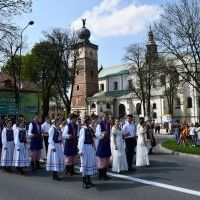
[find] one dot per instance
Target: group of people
(187, 133)
(98, 142)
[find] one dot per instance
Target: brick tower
(86, 72)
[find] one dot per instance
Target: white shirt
(45, 128)
(129, 130)
(192, 130)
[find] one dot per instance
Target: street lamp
(30, 23)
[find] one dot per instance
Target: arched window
(154, 105)
(93, 105)
(77, 87)
(178, 102)
(138, 109)
(189, 102)
(155, 115)
(108, 106)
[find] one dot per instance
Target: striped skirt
(20, 158)
(55, 160)
(88, 160)
(7, 155)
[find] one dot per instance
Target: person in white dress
(87, 151)
(20, 156)
(118, 149)
(142, 158)
(55, 156)
(7, 137)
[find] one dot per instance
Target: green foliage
(172, 145)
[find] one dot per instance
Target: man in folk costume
(34, 133)
(55, 158)
(103, 153)
(20, 157)
(70, 135)
(87, 152)
(45, 129)
(7, 146)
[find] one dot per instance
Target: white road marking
(157, 184)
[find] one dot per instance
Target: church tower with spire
(151, 54)
(86, 71)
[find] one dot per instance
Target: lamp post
(30, 23)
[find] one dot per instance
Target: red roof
(26, 86)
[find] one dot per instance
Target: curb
(163, 149)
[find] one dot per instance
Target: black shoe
(131, 169)
(56, 177)
(37, 163)
(100, 174)
(85, 185)
(73, 171)
(105, 177)
(89, 182)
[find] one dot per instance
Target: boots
(20, 170)
(37, 163)
(105, 177)
(100, 174)
(85, 184)
(69, 170)
(89, 181)
(55, 176)
(72, 170)
(33, 166)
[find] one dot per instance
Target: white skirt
(21, 158)
(7, 155)
(88, 160)
(55, 160)
(142, 158)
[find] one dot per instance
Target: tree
(170, 79)
(63, 41)
(178, 33)
(8, 9)
(135, 56)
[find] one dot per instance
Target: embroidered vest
(22, 136)
(9, 135)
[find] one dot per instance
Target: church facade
(110, 89)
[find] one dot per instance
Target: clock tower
(86, 72)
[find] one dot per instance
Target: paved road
(166, 171)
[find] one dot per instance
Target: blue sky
(114, 24)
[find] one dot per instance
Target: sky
(114, 24)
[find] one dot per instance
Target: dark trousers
(46, 143)
(130, 149)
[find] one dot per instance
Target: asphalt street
(169, 177)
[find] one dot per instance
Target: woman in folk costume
(142, 158)
(55, 158)
(103, 153)
(87, 152)
(20, 157)
(118, 149)
(36, 145)
(7, 146)
(70, 135)
(1, 129)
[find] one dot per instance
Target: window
(154, 105)
(115, 85)
(189, 102)
(178, 103)
(130, 84)
(108, 106)
(77, 72)
(77, 87)
(101, 87)
(91, 73)
(93, 105)
(91, 54)
(155, 115)
(138, 109)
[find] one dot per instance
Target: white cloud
(115, 17)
